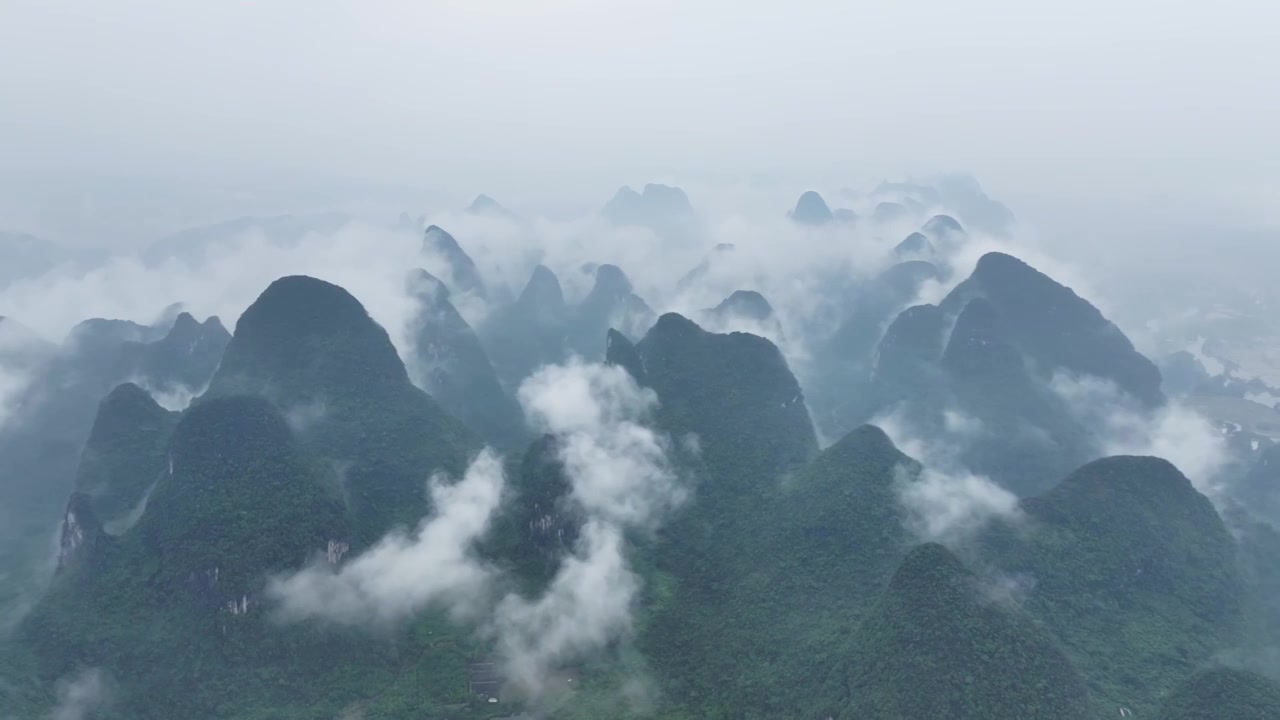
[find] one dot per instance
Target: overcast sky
(118, 111)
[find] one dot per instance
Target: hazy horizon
(155, 118)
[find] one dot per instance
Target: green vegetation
(126, 451)
(753, 623)
(540, 523)
(1135, 573)
(310, 348)
(1223, 694)
(1056, 328)
(173, 608)
(735, 393)
(936, 647)
(786, 588)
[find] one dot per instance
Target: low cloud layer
(1173, 432)
(943, 501)
(404, 573)
(622, 481)
(618, 467)
(81, 695)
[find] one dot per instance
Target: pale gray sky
(122, 110)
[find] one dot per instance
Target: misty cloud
(587, 606)
(403, 573)
(619, 469)
(80, 696)
(174, 397)
(950, 507)
(943, 501)
(12, 385)
(622, 480)
(1173, 432)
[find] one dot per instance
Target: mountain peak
(981, 658)
(747, 303)
(462, 268)
(727, 387)
(940, 226)
(673, 325)
(1056, 327)
(926, 569)
(452, 366)
(668, 195)
(425, 287)
(621, 351)
(185, 323)
(811, 209)
(125, 451)
(186, 356)
(303, 337)
(486, 206)
(611, 282)
(543, 289)
(662, 208)
(914, 245)
(886, 212)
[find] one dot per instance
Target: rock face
(982, 658)
(81, 532)
(462, 271)
(811, 209)
(542, 521)
(452, 366)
